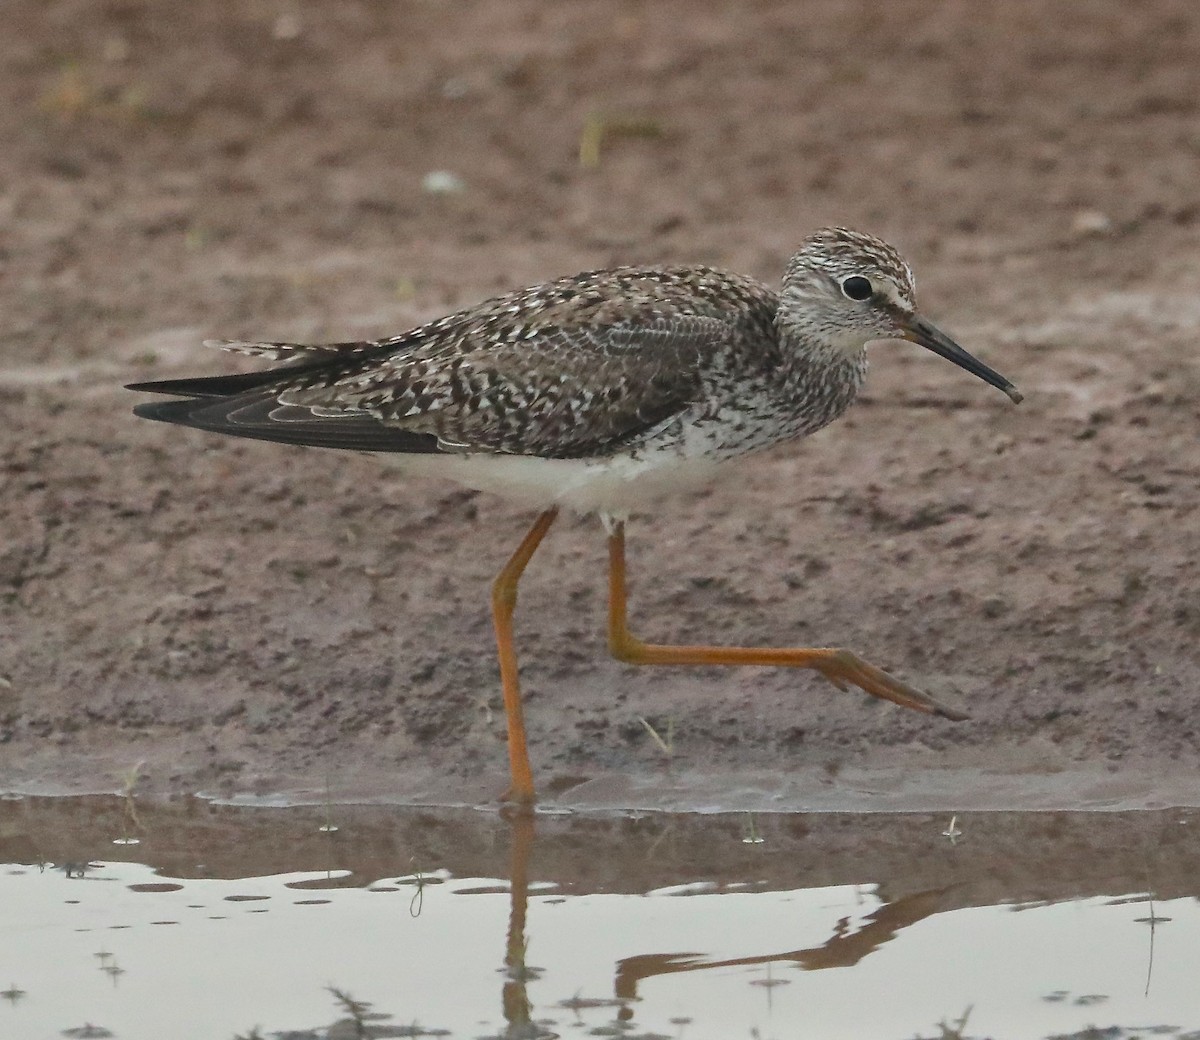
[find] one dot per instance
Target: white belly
(615, 486)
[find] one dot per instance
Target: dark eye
(857, 287)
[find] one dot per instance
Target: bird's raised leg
(504, 602)
(840, 667)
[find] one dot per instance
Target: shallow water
(188, 919)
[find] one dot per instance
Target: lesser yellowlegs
(599, 393)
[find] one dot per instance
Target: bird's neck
(822, 346)
(822, 373)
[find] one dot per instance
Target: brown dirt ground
(246, 618)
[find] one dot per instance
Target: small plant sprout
(751, 835)
(13, 994)
(954, 1030)
(356, 1009)
(667, 746)
(129, 780)
(328, 827)
(952, 832)
(417, 903)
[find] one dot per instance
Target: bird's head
(845, 289)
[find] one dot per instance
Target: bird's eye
(857, 287)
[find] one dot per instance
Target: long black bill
(929, 336)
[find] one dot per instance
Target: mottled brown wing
(570, 368)
(552, 390)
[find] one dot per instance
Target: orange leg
(504, 602)
(840, 667)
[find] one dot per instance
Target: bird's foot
(845, 669)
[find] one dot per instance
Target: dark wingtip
(205, 386)
(164, 411)
(219, 386)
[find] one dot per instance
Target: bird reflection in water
(518, 1011)
(844, 948)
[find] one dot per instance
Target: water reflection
(843, 949)
(647, 921)
(514, 997)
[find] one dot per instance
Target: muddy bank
(247, 618)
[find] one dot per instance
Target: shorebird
(599, 393)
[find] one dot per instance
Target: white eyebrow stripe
(889, 291)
